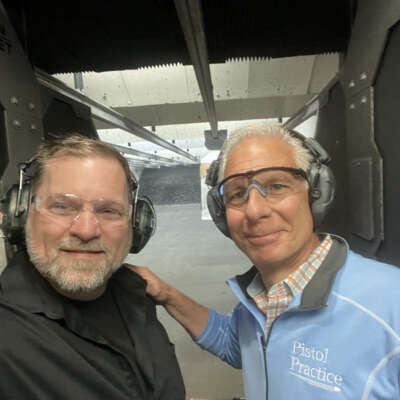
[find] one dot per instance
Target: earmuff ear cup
(322, 194)
(144, 222)
(16, 213)
(217, 210)
(321, 178)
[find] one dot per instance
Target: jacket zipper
(264, 347)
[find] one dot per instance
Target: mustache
(74, 243)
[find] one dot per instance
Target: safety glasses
(274, 183)
(67, 208)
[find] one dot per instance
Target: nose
(85, 226)
(257, 206)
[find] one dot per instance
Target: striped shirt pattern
(275, 301)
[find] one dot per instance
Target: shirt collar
(22, 285)
(298, 279)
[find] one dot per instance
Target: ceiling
(239, 39)
(72, 36)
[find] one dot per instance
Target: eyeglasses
(274, 183)
(67, 208)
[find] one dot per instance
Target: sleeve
(220, 337)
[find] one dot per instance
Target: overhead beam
(191, 19)
(235, 109)
(108, 115)
(146, 156)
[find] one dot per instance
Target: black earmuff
(15, 208)
(320, 177)
(144, 223)
(215, 203)
(15, 205)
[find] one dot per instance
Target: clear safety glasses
(274, 183)
(67, 208)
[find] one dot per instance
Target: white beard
(79, 275)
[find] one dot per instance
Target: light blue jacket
(339, 339)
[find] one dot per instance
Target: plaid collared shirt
(277, 299)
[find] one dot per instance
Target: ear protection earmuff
(321, 180)
(144, 223)
(15, 208)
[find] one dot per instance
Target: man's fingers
(156, 287)
(131, 266)
(151, 279)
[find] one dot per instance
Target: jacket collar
(316, 293)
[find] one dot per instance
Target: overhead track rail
(108, 115)
(312, 106)
(191, 18)
(141, 163)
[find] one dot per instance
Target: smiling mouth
(262, 235)
(79, 251)
(263, 239)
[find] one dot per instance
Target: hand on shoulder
(156, 287)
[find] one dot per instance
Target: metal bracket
(213, 142)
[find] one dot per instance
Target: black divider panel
(331, 133)
(387, 136)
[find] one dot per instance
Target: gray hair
(302, 156)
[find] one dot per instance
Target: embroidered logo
(310, 364)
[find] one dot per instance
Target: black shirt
(104, 315)
(51, 349)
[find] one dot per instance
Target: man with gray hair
(75, 323)
(314, 320)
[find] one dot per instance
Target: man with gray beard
(75, 325)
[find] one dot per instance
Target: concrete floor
(196, 258)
